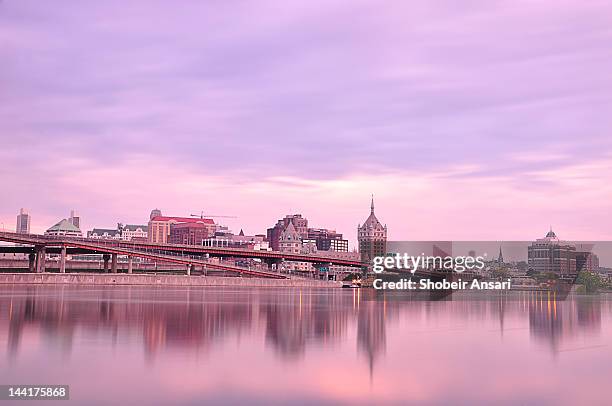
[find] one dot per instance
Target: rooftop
(183, 219)
(134, 227)
(64, 225)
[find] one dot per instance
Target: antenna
(201, 215)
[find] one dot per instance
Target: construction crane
(201, 215)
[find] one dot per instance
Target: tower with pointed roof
(500, 257)
(372, 237)
(290, 240)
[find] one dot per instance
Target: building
(155, 213)
(64, 228)
(585, 259)
(133, 232)
(227, 239)
(159, 227)
(104, 234)
(372, 237)
(299, 223)
(74, 219)
(192, 233)
(328, 240)
(500, 257)
(290, 241)
(338, 272)
(549, 254)
(127, 232)
(23, 222)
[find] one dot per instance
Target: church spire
(372, 205)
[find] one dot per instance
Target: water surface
(182, 346)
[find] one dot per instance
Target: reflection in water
(299, 328)
(371, 331)
(553, 321)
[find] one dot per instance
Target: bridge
(37, 246)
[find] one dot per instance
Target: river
(186, 346)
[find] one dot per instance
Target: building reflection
(555, 322)
(165, 319)
(371, 330)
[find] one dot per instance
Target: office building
(23, 222)
(549, 254)
(159, 228)
(372, 237)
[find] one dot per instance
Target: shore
(158, 280)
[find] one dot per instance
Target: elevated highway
(190, 255)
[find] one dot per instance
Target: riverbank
(158, 280)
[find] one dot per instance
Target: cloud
(280, 96)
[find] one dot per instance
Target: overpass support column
(32, 263)
(41, 257)
(274, 264)
(130, 263)
(106, 258)
(114, 263)
(62, 265)
(280, 264)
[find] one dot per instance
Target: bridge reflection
(287, 321)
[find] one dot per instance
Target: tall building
(549, 254)
(300, 225)
(23, 222)
(74, 219)
(372, 237)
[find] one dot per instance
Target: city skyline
(226, 223)
(461, 125)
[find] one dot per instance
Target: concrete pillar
(32, 263)
(114, 263)
(188, 269)
(63, 260)
(41, 257)
(130, 263)
(106, 258)
(204, 270)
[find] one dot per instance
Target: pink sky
(485, 121)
